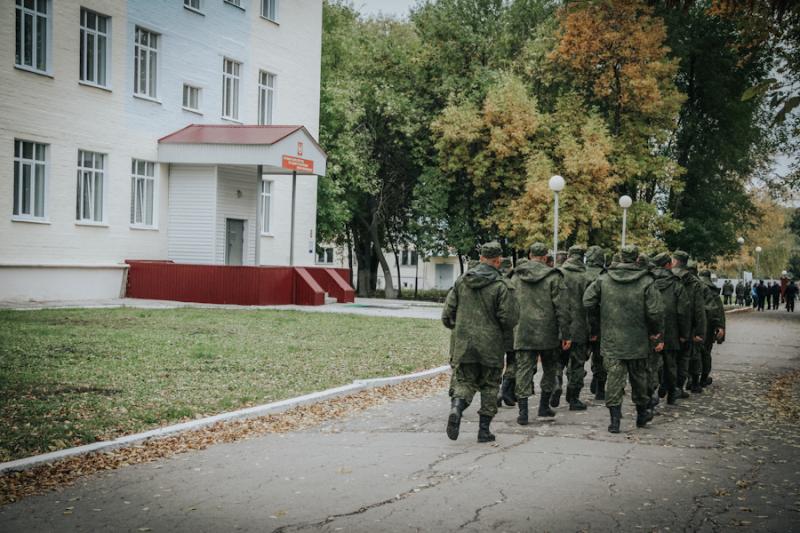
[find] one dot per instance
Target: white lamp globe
(758, 249)
(557, 183)
(784, 273)
(740, 240)
(625, 201)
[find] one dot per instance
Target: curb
(745, 309)
(250, 412)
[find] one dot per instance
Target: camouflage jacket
(482, 311)
(715, 311)
(695, 292)
(677, 320)
(576, 281)
(625, 305)
(544, 307)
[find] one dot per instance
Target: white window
(143, 184)
(230, 89)
(325, 256)
(145, 63)
(91, 178)
(266, 96)
(269, 9)
(237, 3)
(191, 97)
(266, 206)
(192, 4)
(408, 257)
(30, 179)
(94, 47)
(32, 34)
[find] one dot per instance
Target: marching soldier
(595, 265)
(509, 374)
(715, 326)
(576, 281)
(696, 359)
(481, 310)
(625, 307)
(543, 329)
(696, 310)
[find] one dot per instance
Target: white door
(444, 276)
(234, 241)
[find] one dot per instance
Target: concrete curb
(739, 310)
(250, 412)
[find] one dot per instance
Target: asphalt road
(720, 461)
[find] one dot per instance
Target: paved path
(717, 462)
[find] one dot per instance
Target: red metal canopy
(229, 134)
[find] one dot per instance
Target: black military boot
(662, 390)
(706, 380)
(509, 398)
(522, 418)
(484, 435)
(616, 416)
(672, 396)
(643, 416)
(696, 388)
(600, 395)
(544, 405)
(555, 398)
(575, 404)
(454, 420)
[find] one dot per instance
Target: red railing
(221, 284)
(332, 280)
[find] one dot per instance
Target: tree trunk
(461, 264)
(416, 276)
(397, 267)
(363, 250)
(349, 253)
(389, 289)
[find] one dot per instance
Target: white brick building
(87, 90)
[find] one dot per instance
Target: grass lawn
(71, 377)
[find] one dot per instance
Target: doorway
(444, 276)
(234, 241)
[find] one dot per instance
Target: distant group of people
(760, 295)
(652, 322)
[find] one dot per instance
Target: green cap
(662, 259)
(692, 265)
(629, 253)
(490, 250)
(681, 256)
(538, 249)
(506, 264)
(522, 261)
(577, 251)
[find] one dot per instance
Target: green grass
(71, 377)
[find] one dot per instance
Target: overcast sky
(387, 7)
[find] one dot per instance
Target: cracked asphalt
(720, 461)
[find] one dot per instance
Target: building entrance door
(234, 241)
(444, 276)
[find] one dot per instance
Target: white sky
(387, 7)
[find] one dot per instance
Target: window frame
(235, 78)
(267, 198)
(47, 49)
(83, 51)
(199, 89)
(234, 3)
(263, 92)
(17, 190)
(93, 171)
(324, 251)
(150, 50)
(135, 177)
(198, 9)
(276, 6)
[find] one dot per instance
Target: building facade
(89, 88)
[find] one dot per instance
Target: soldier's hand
(720, 334)
(682, 339)
(698, 338)
(593, 338)
(659, 347)
(566, 345)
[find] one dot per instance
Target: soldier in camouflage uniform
(696, 359)
(625, 306)
(696, 310)
(715, 312)
(471, 263)
(481, 310)
(595, 265)
(543, 329)
(576, 281)
(677, 322)
(508, 384)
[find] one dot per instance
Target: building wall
(56, 109)
(192, 213)
(275, 246)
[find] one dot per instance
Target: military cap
(681, 256)
(490, 250)
(629, 253)
(662, 259)
(692, 265)
(577, 251)
(506, 264)
(522, 261)
(538, 249)
(594, 251)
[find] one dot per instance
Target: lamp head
(758, 249)
(625, 201)
(740, 240)
(557, 183)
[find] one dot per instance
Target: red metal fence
(239, 285)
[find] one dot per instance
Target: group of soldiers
(651, 321)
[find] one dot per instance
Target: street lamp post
(556, 185)
(625, 202)
(740, 240)
(758, 259)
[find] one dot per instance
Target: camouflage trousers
(511, 365)
(696, 359)
(563, 365)
(685, 361)
(474, 377)
(598, 369)
(526, 369)
(655, 365)
(576, 369)
(706, 359)
(669, 374)
(619, 370)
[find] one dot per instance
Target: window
(94, 47)
(325, 256)
(192, 4)
(266, 206)
(408, 257)
(143, 184)
(191, 97)
(32, 28)
(237, 3)
(145, 63)
(91, 177)
(266, 96)
(30, 175)
(230, 89)
(269, 9)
